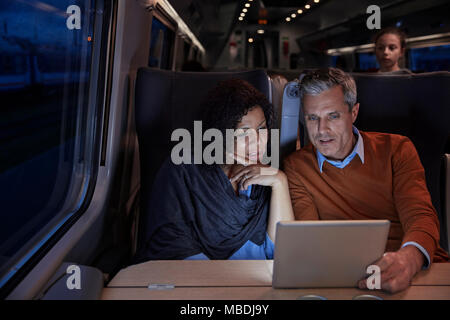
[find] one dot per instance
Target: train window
(186, 50)
(434, 58)
(334, 61)
(48, 122)
(12, 64)
(194, 53)
(367, 61)
(161, 45)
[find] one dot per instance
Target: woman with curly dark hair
(226, 210)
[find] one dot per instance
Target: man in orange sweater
(349, 174)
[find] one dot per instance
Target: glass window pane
(166, 57)
(367, 61)
(161, 45)
(45, 119)
(186, 49)
(429, 59)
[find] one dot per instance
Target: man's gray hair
(315, 82)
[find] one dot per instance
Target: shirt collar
(357, 150)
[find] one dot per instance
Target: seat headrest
(168, 100)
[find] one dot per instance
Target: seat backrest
(290, 113)
(416, 106)
(278, 83)
(165, 101)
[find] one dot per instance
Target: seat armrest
(64, 286)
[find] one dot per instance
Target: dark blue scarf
(194, 209)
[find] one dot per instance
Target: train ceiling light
(309, 5)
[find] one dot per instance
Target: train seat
(289, 118)
(415, 106)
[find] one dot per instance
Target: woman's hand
(280, 201)
(258, 174)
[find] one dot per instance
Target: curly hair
(230, 101)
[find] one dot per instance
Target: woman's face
(388, 51)
(251, 137)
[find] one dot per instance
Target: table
(248, 280)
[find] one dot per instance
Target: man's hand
(397, 269)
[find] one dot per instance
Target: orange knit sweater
(389, 185)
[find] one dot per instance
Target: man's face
(329, 123)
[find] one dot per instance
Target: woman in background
(390, 45)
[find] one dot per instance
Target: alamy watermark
(374, 20)
(374, 280)
(74, 19)
(244, 146)
(74, 280)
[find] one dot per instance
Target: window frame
(19, 268)
(159, 13)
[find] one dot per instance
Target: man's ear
(355, 111)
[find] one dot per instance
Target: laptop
(317, 254)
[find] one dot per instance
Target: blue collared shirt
(359, 150)
(250, 250)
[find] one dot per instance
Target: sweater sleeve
(412, 199)
(302, 201)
